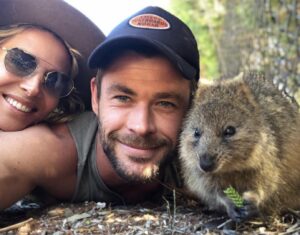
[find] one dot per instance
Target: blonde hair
(68, 106)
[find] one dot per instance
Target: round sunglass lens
(19, 63)
(58, 84)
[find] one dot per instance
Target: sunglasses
(23, 64)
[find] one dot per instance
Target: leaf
(234, 196)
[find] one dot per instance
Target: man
(148, 68)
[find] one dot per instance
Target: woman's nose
(32, 85)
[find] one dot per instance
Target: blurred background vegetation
(239, 35)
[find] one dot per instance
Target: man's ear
(95, 99)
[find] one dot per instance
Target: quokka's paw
(249, 210)
(239, 214)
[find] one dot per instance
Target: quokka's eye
(197, 133)
(229, 131)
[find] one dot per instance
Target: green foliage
(236, 198)
(191, 12)
(240, 35)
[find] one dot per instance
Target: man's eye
(167, 104)
(122, 98)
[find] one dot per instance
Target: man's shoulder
(83, 120)
(83, 127)
(61, 131)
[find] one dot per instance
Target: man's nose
(32, 85)
(141, 120)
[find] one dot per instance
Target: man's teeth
(18, 105)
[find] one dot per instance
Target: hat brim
(64, 20)
(98, 56)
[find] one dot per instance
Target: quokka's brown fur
(243, 133)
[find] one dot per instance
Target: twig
(291, 231)
(174, 211)
(15, 226)
(294, 212)
(223, 224)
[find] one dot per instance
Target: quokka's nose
(207, 162)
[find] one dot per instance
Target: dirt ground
(184, 217)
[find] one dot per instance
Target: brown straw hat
(64, 20)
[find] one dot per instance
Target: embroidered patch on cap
(149, 21)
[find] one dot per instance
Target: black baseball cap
(155, 27)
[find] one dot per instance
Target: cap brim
(98, 56)
(67, 22)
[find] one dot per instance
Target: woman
(43, 50)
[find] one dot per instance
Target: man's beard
(149, 173)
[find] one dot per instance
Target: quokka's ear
(265, 90)
(203, 87)
(259, 83)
